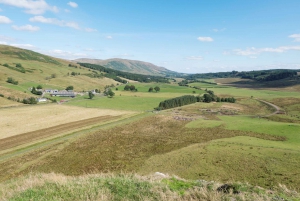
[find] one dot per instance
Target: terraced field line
(69, 136)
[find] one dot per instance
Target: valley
(247, 140)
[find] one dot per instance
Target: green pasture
(118, 102)
(243, 92)
(206, 85)
(141, 100)
(258, 125)
(164, 88)
(264, 94)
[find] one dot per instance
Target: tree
(156, 88)
(39, 86)
(150, 89)
(207, 98)
(132, 88)
(109, 93)
(91, 95)
(70, 88)
(127, 88)
(19, 65)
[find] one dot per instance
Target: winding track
(277, 108)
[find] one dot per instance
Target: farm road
(277, 108)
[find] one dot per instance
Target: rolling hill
(30, 68)
(131, 66)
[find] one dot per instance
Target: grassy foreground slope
(133, 187)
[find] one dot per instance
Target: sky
(189, 36)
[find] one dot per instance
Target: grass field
(136, 101)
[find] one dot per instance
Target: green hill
(131, 66)
(30, 68)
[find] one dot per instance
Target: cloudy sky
(192, 36)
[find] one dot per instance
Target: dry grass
(18, 120)
(8, 103)
(131, 187)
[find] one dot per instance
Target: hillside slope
(131, 66)
(30, 68)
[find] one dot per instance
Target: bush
(1, 95)
(12, 81)
(30, 100)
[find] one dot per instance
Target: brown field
(7, 103)
(24, 138)
(18, 120)
(287, 84)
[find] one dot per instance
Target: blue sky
(192, 36)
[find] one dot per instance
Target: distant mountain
(131, 66)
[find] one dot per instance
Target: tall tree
(156, 88)
(91, 95)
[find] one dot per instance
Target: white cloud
(25, 46)
(26, 28)
(73, 4)
(195, 58)
(296, 37)
(205, 39)
(109, 37)
(34, 7)
(66, 54)
(256, 51)
(1, 10)
(126, 55)
(4, 20)
(90, 30)
(54, 21)
(6, 39)
(219, 30)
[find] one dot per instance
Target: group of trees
(210, 97)
(157, 88)
(36, 92)
(259, 75)
(130, 88)
(30, 100)
(18, 67)
(116, 74)
(109, 93)
(12, 81)
(189, 99)
(176, 102)
(268, 75)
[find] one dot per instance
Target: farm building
(42, 100)
(64, 93)
(51, 90)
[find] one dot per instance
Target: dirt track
(24, 138)
(277, 109)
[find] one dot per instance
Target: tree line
(259, 75)
(176, 102)
(113, 74)
(190, 99)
